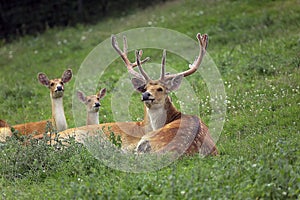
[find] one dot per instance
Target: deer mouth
(147, 97)
(96, 109)
(148, 100)
(58, 93)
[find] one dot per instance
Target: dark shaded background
(21, 17)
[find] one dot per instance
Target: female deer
(58, 121)
(92, 103)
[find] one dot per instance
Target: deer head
(93, 101)
(56, 86)
(155, 92)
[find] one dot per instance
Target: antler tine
(203, 43)
(123, 55)
(138, 62)
(125, 46)
(163, 63)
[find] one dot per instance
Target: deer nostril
(145, 96)
(97, 104)
(59, 88)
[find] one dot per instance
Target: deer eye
(61, 83)
(89, 100)
(159, 89)
(98, 98)
(51, 84)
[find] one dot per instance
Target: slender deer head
(56, 86)
(155, 92)
(92, 102)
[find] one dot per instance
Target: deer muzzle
(59, 88)
(146, 96)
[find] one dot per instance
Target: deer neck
(92, 118)
(159, 117)
(58, 114)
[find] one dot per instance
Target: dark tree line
(20, 17)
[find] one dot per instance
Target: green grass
(255, 45)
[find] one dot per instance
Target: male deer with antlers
(58, 121)
(164, 128)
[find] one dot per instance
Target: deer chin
(95, 109)
(58, 94)
(153, 104)
(148, 102)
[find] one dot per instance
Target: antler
(163, 64)
(203, 43)
(123, 55)
(138, 62)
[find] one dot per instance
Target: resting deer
(92, 103)
(164, 128)
(58, 121)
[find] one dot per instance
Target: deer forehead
(56, 81)
(154, 85)
(92, 99)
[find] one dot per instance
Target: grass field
(256, 47)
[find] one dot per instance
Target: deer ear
(81, 96)
(3, 123)
(174, 83)
(101, 93)
(138, 84)
(67, 76)
(43, 79)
